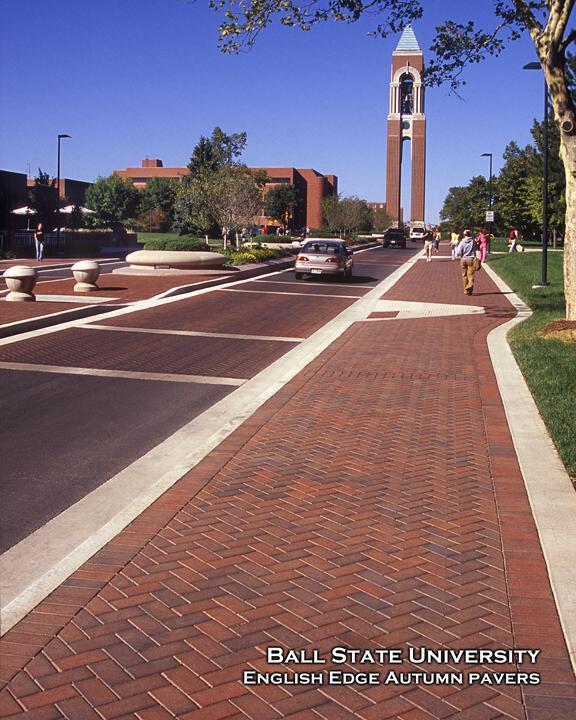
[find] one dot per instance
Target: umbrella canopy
(69, 209)
(24, 211)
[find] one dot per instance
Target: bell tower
(406, 122)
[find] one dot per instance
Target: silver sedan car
(324, 257)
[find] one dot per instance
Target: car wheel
(298, 276)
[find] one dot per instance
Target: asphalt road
(64, 435)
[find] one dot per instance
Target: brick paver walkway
(376, 502)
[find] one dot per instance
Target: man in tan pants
(466, 251)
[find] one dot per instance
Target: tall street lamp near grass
(489, 214)
(544, 271)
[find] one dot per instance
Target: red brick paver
(376, 502)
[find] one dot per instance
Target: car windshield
(418, 230)
(322, 248)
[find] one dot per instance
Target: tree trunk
(568, 154)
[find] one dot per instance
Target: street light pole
(60, 136)
(489, 155)
(544, 269)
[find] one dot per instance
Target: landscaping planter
(175, 259)
(86, 273)
(20, 280)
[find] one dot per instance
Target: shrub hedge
(254, 255)
(190, 243)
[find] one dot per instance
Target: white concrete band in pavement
(313, 284)
(191, 333)
(83, 299)
(126, 374)
(281, 292)
(551, 494)
(408, 310)
(37, 565)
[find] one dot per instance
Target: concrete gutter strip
(551, 494)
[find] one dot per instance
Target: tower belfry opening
(406, 121)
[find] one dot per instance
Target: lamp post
(544, 272)
(60, 136)
(489, 155)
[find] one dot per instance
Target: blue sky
(130, 79)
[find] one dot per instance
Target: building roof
(408, 42)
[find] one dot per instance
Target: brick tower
(406, 121)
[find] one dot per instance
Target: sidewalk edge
(550, 492)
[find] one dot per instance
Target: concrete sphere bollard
(20, 280)
(86, 273)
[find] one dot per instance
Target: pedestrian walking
(466, 251)
(39, 240)
(513, 238)
(437, 238)
(482, 240)
(454, 240)
(428, 244)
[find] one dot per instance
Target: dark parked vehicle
(394, 237)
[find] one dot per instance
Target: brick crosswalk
(375, 502)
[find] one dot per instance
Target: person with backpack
(466, 251)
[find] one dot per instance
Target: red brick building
(311, 186)
(149, 169)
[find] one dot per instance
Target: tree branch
(568, 41)
(529, 19)
(559, 10)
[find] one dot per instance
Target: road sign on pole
(489, 215)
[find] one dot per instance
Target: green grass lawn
(549, 365)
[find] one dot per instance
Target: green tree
(347, 215)
(218, 150)
(113, 199)
(157, 200)
(465, 206)
(192, 209)
(279, 203)
(237, 200)
(43, 197)
(227, 198)
(456, 45)
(512, 188)
(381, 220)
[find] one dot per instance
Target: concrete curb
(548, 485)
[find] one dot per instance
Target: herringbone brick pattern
(376, 502)
(229, 312)
(140, 352)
